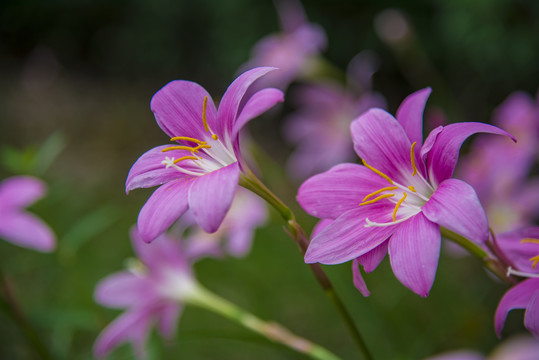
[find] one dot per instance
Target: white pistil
(375, 224)
(511, 271)
(169, 162)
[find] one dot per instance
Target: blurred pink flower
(18, 226)
(370, 219)
(235, 235)
(151, 293)
(292, 49)
(499, 170)
(520, 249)
(201, 171)
(326, 111)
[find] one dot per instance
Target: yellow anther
(379, 191)
(175, 138)
(203, 146)
(204, 120)
(181, 147)
(411, 188)
(528, 240)
(186, 158)
(398, 205)
(385, 196)
(215, 137)
(535, 260)
(412, 158)
(378, 172)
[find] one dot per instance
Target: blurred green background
(76, 78)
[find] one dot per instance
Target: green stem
(496, 266)
(9, 304)
(275, 332)
(251, 182)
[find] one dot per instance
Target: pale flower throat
(207, 155)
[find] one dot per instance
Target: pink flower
(201, 170)
(398, 200)
(325, 112)
(499, 170)
(290, 50)
(150, 293)
(520, 249)
(18, 226)
(235, 234)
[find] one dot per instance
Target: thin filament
(378, 172)
(398, 205)
(379, 191)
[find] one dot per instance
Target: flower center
(206, 156)
(409, 203)
(534, 260)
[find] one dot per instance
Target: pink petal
(211, 195)
(359, 283)
(347, 237)
(321, 225)
(514, 252)
(455, 206)
(149, 171)
(258, 104)
(163, 208)
(414, 250)
(133, 326)
(373, 258)
(178, 109)
(531, 317)
(443, 156)
(27, 230)
(20, 191)
(122, 289)
(230, 103)
(517, 297)
(410, 115)
(168, 321)
(381, 141)
(341, 188)
(164, 251)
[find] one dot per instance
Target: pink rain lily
(151, 292)
(201, 170)
(235, 234)
(397, 201)
(520, 249)
(325, 111)
(292, 49)
(499, 170)
(18, 226)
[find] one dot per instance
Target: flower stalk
(296, 232)
(208, 300)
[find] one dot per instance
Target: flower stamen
(385, 196)
(205, 120)
(412, 158)
(186, 138)
(412, 188)
(404, 195)
(378, 172)
(379, 191)
(535, 259)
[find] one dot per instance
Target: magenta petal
(321, 225)
(27, 230)
(20, 191)
(517, 297)
(359, 283)
(341, 188)
(169, 320)
(531, 317)
(381, 141)
(373, 258)
(230, 103)
(455, 206)
(132, 326)
(149, 171)
(121, 290)
(347, 237)
(178, 109)
(443, 156)
(163, 251)
(414, 250)
(165, 206)
(259, 103)
(514, 252)
(410, 114)
(211, 195)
